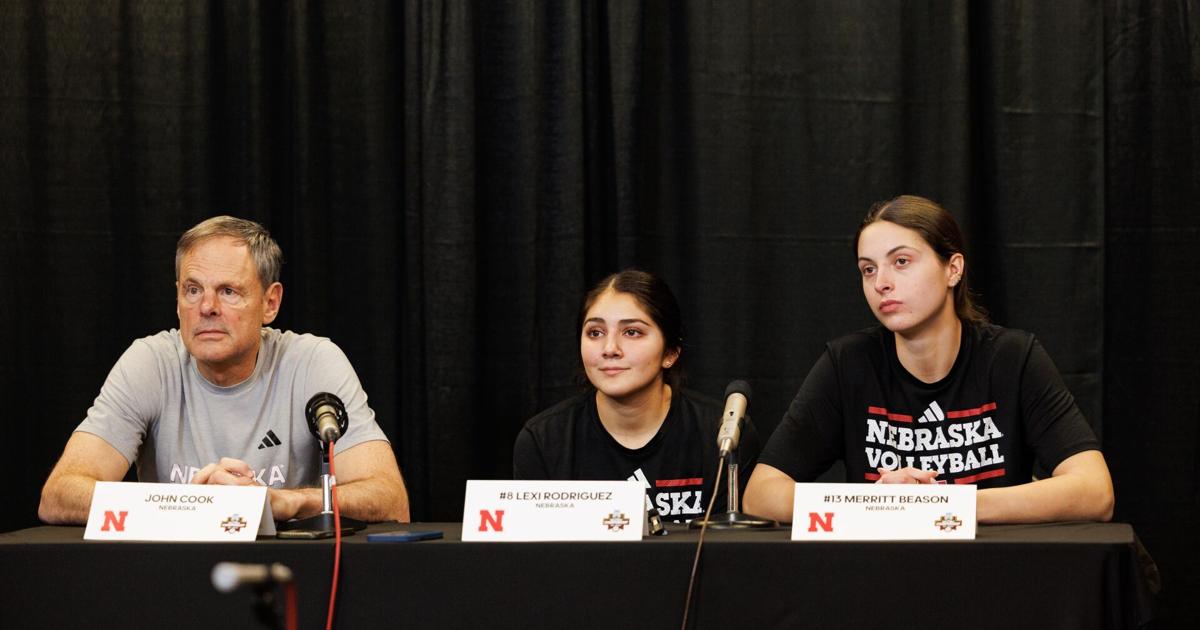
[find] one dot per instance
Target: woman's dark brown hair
(938, 228)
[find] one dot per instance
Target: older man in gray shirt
(221, 400)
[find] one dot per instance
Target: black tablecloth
(1071, 575)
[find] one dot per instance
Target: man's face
(222, 307)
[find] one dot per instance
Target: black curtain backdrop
(446, 179)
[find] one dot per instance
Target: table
(1070, 575)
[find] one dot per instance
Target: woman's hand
(906, 475)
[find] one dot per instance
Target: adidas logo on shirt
(933, 413)
(676, 504)
(270, 440)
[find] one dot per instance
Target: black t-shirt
(677, 466)
(1002, 408)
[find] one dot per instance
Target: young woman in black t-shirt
(935, 394)
(637, 423)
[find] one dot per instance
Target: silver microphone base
(734, 520)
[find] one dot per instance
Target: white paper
(178, 512)
(859, 511)
(508, 511)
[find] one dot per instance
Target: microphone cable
(291, 617)
(337, 538)
(687, 603)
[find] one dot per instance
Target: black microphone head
(313, 412)
(738, 387)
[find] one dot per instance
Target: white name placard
(178, 512)
(859, 511)
(514, 511)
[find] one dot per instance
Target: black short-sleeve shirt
(1002, 408)
(677, 466)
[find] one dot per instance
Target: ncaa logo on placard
(948, 522)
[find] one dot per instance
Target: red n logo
(495, 521)
(112, 520)
(815, 520)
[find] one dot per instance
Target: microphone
(327, 420)
(227, 576)
(326, 417)
(737, 398)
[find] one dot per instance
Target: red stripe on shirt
(967, 413)
(999, 472)
(669, 483)
(881, 411)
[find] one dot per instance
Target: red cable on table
(337, 541)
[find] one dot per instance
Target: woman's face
(906, 285)
(622, 348)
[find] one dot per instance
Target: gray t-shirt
(158, 411)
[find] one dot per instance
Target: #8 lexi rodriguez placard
(514, 511)
(856, 511)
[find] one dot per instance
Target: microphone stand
(225, 579)
(320, 525)
(732, 518)
(265, 604)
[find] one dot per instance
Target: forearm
(770, 498)
(371, 500)
(1063, 498)
(66, 499)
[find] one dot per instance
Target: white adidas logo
(933, 413)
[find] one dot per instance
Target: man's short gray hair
(265, 252)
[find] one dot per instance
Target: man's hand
(286, 504)
(906, 475)
(369, 484)
(227, 472)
